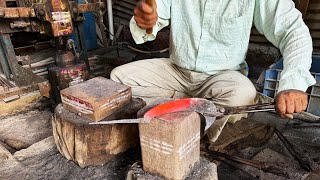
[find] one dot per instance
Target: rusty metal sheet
(6, 29)
(20, 12)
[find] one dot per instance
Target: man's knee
(115, 74)
(124, 74)
(242, 95)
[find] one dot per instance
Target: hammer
(150, 3)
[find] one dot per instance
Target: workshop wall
(311, 14)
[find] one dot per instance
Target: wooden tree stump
(93, 144)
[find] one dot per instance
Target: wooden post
(150, 3)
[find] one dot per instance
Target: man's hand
(145, 15)
(291, 101)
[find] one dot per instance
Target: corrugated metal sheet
(123, 11)
(313, 22)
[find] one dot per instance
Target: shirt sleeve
(140, 36)
(283, 26)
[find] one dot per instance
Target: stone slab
(4, 153)
(22, 130)
(289, 165)
(23, 104)
(42, 160)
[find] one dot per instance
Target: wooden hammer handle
(150, 3)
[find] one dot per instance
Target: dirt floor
(27, 150)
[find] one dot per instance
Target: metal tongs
(244, 109)
(202, 106)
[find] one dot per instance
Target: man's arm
(146, 17)
(283, 26)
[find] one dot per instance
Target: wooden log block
(93, 144)
(170, 144)
(96, 98)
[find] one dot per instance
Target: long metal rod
(122, 121)
(150, 3)
(110, 19)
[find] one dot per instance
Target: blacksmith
(208, 44)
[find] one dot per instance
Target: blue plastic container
(89, 29)
(272, 77)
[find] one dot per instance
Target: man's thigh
(151, 78)
(230, 88)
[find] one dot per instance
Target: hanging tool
(151, 4)
(302, 160)
(202, 106)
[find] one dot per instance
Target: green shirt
(213, 35)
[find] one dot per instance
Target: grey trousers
(154, 79)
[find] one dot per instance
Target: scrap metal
(20, 12)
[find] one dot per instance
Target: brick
(170, 144)
(96, 98)
(90, 145)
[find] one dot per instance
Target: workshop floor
(27, 150)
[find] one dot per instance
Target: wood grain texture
(96, 98)
(90, 144)
(150, 3)
(170, 144)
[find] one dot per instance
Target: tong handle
(250, 108)
(150, 3)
